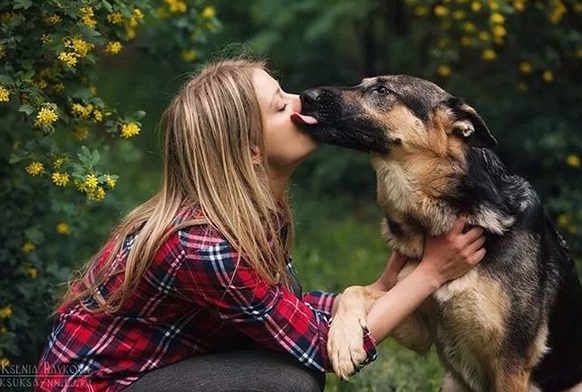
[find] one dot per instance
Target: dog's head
(387, 113)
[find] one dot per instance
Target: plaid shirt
(194, 298)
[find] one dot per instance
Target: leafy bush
(59, 135)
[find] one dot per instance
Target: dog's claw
(345, 345)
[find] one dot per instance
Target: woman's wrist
(427, 276)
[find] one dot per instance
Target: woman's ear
(256, 156)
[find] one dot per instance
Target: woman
(203, 268)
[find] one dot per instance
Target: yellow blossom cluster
(32, 272)
(87, 112)
(60, 179)
(5, 311)
(77, 48)
(4, 94)
(51, 18)
(573, 160)
(129, 129)
(27, 247)
(87, 15)
(557, 11)
(80, 133)
(34, 168)
(208, 12)
(115, 18)
(176, 5)
(110, 181)
(132, 22)
(113, 47)
(189, 54)
(46, 116)
(62, 228)
(90, 186)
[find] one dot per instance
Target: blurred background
(83, 85)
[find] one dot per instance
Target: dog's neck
(419, 203)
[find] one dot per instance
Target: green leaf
(35, 235)
(6, 79)
(26, 108)
(22, 4)
(139, 114)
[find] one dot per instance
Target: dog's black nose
(309, 98)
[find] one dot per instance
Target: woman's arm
(445, 258)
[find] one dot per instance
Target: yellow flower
(80, 133)
(90, 181)
(488, 54)
(115, 18)
(444, 70)
(562, 219)
(4, 94)
(46, 116)
(113, 47)
(137, 14)
(475, 6)
(87, 14)
(110, 181)
(3, 331)
(578, 53)
(208, 12)
(4, 362)
(176, 5)
(46, 39)
(27, 247)
(62, 228)
(525, 67)
(97, 115)
(469, 26)
(440, 10)
(51, 18)
(466, 40)
(59, 87)
(58, 162)
(558, 11)
(497, 18)
(548, 76)
(519, 5)
(573, 160)
(96, 194)
(129, 129)
(498, 31)
(60, 179)
(35, 168)
(69, 58)
(188, 54)
(32, 272)
(80, 46)
(6, 311)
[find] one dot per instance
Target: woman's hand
(389, 275)
(449, 256)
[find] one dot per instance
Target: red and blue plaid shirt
(194, 298)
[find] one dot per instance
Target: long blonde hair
(213, 130)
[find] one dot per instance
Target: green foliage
(519, 63)
(60, 137)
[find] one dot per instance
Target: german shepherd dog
(512, 323)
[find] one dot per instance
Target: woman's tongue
(299, 118)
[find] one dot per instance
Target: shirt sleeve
(213, 277)
(320, 300)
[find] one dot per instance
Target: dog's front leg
(345, 342)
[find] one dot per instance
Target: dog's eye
(381, 90)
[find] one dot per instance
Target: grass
(339, 245)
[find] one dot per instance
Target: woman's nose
(295, 102)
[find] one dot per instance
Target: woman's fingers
(473, 234)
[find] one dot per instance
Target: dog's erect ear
(469, 125)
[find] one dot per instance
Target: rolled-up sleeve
(215, 278)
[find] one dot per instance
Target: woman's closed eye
(282, 108)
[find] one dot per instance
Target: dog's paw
(345, 345)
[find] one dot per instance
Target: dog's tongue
(299, 118)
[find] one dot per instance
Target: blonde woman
(194, 291)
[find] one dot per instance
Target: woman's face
(285, 144)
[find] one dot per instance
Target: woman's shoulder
(193, 230)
